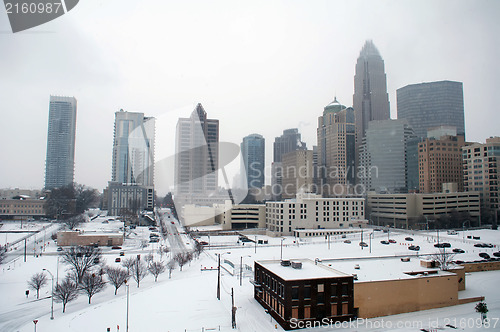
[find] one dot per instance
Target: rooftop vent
(297, 265)
(285, 263)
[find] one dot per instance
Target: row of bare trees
(87, 271)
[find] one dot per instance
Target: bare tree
(82, 260)
(74, 221)
(128, 262)
(443, 258)
(163, 250)
(138, 270)
(198, 248)
(148, 258)
(182, 258)
(92, 283)
(37, 281)
(66, 292)
(117, 276)
(156, 268)
(170, 267)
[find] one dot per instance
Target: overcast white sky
(257, 66)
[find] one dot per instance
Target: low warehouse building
(75, 238)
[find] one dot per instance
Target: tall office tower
(383, 156)
(133, 149)
(297, 173)
(433, 104)
(336, 149)
(481, 171)
(253, 152)
(370, 100)
(131, 188)
(440, 161)
(290, 140)
(60, 161)
(197, 155)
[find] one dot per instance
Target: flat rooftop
(309, 270)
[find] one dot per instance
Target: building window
(345, 308)
(295, 312)
(307, 311)
(334, 309)
(307, 292)
(295, 293)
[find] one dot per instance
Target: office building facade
(60, 159)
(370, 100)
(432, 104)
(297, 173)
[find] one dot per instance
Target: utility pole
(328, 241)
(233, 310)
(25, 250)
(218, 279)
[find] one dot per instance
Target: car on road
(496, 254)
(203, 243)
(116, 247)
(408, 238)
(59, 249)
(384, 242)
(363, 244)
(118, 260)
(154, 239)
(392, 241)
(458, 250)
(347, 241)
(414, 248)
(484, 255)
(442, 245)
(173, 223)
(122, 253)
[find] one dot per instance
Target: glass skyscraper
(60, 160)
(253, 152)
(432, 104)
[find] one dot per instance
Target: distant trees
(117, 276)
(91, 284)
(66, 292)
(74, 221)
(156, 268)
(37, 281)
(170, 267)
(128, 262)
(70, 200)
(81, 260)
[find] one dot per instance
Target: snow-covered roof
(309, 270)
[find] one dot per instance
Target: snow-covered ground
(187, 301)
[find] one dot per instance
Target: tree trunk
(90, 298)
(116, 289)
(64, 307)
(37, 293)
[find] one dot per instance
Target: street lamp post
(218, 275)
(52, 297)
(128, 292)
(281, 249)
(371, 235)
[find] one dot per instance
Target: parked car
(173, 223)
(116, 247)
(408, 238)
(392, 241)
(347, 241)
(484, 255)
(363, 244)
(59, 249)
(122, 253)
(154, 239)
(458, 250)
(496, 254)
(384, 242)
(414, 248)
(203, 243)
(452, 232)
(118, 260)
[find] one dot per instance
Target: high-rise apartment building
(440, 161)
(297, 173)
(383, 156)
(336, 149)
(432, 104)
(481, 171)
(253, 152)
(133, 149)
(370, 100)
(290, 140)
(197, 154)
(60, 160)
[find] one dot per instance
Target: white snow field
(188, 302)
